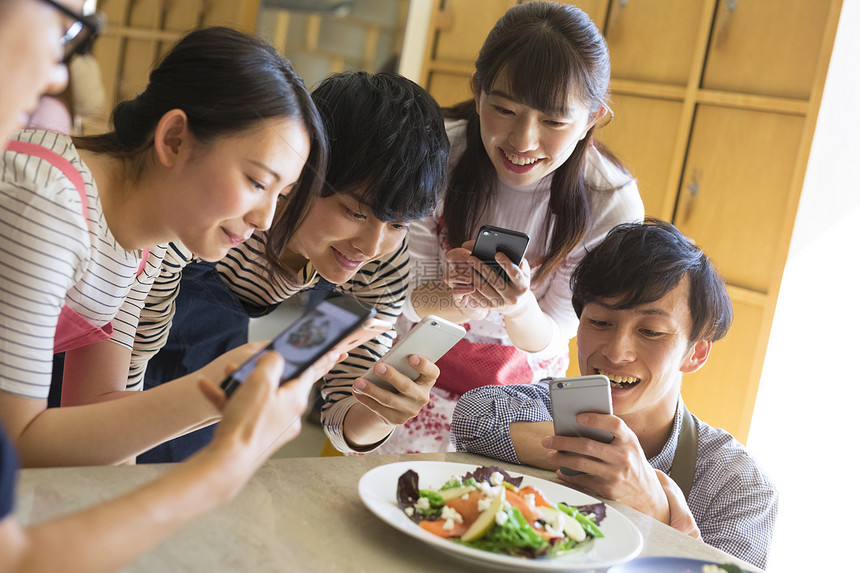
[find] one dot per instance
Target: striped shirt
(732, 500)
(381, 284)
(50, 256)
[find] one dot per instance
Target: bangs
(633, 295)
(394, 207)
(542, 72)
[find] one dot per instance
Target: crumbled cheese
(496, 478)
(448, 525)
(409, 511)
(484, 504)
(423, 504)
(501, 517)
(451, 513)
(555, 527)
(530, 500)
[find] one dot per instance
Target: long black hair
(225, 82)
(545, 51)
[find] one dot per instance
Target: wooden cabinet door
(653, 40)
(463, 27)
(723, 392)
(735, 189)
(642, 134)
(767, 48)
(449, 88)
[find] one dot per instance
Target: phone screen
(316, 332)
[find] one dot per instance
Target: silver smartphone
(430, 338)
(572, 396)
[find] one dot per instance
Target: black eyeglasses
(80, 35)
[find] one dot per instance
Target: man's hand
(618, 470)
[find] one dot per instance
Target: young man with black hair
(650, 305)
(387, 161)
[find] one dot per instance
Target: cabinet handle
(614, 17)
(692, 192)
(725, 20)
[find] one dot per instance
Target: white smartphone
(430, 338)
(572, 396)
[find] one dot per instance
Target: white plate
(662, 565)
(378, 491)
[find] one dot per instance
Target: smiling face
(228, 189)
(526, 144)
(30, 50)
(339, 235)
(644, 351)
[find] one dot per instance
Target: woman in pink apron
(522, 158)
(203, 156)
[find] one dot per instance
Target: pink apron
(73, 330)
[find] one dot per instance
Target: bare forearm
(109, 536)
(526, 438)
(362, 427)
(528, 327)
(115, 430)
(436, 298)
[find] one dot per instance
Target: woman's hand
(224, 365)
(477, 288)
(264, 414)
(408, 397)
(379, 409)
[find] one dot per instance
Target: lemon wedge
(486, 520)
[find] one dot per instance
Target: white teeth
(620, 380)
(520, 160)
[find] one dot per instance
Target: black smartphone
(318, 330)
(492, 240)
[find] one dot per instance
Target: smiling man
(650, 305)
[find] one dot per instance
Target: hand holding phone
(430, 338)
(308, 338)
(492, 240)
(572, 396)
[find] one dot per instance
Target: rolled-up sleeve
(481, 419)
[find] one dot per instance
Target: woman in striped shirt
(221, 133)
(388, 159)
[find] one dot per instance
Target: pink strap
(57, 161)
(143, 256)
(72, 174)
(74, 331)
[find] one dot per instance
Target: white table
(297, 514)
